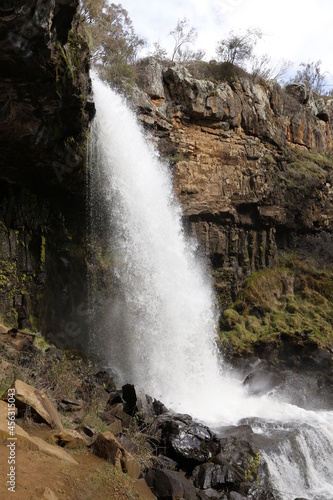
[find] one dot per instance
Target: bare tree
(264, 67)
(238, 49)
(183, 35)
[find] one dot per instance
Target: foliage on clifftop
(294, 299)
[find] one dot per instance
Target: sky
(294, 30)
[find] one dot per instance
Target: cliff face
(44, 88)
(251, 164)
(45, 108)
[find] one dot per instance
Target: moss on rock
(293, 299)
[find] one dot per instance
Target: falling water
(161, 329)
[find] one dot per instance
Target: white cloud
(297, 30)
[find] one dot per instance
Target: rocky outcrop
(107, 446)
(44, 88)
(25, 441)
(45, 108)
(189, 460)
(38, 402)
(251, 163)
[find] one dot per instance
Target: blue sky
(296, 30)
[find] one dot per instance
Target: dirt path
(93, 478)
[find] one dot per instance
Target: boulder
(88, 431)
(106, 380)
(4, 409)
(52, 450)
(184, 440)
(323, 111)
(163, 462)
(143, 490)
(114, 427)
(22, 342)
(115, 397)
(260, 382)
(233, 495)
(117, 411)
(150, 77)
(137, 403)
(106, 446)
(71, 439)
(27, 395)
(299, 91)
(170, 485)
(70, 405)
(213, 476)
(32, 443)
(128, 444)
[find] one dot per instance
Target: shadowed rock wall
(45, 108)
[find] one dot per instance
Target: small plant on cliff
(264, 67)
(311, 76)
(237, 49)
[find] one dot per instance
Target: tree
(238, 49)
(114, 43)
(159, 52)
(311, 76)
(184, 35)
(264, 67)
(188, 54)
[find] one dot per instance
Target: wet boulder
(215, 476)
(130, 402)
(137, 403)
(184, 440)
(170, 485)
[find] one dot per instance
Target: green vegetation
(68, 59)
(111, 477)
(237, 49)
(113, 41)
(311, 76)
(305, 170)
(252, 472)
(294, 298)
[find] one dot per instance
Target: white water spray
(166, 344)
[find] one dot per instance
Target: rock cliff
(252, 165)
(253, 169)
(45, 108)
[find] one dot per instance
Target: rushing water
(163, 324)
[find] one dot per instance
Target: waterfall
(159, 330)
(167, 301)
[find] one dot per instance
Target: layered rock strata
(252, 163)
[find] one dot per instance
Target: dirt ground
(92, 478)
